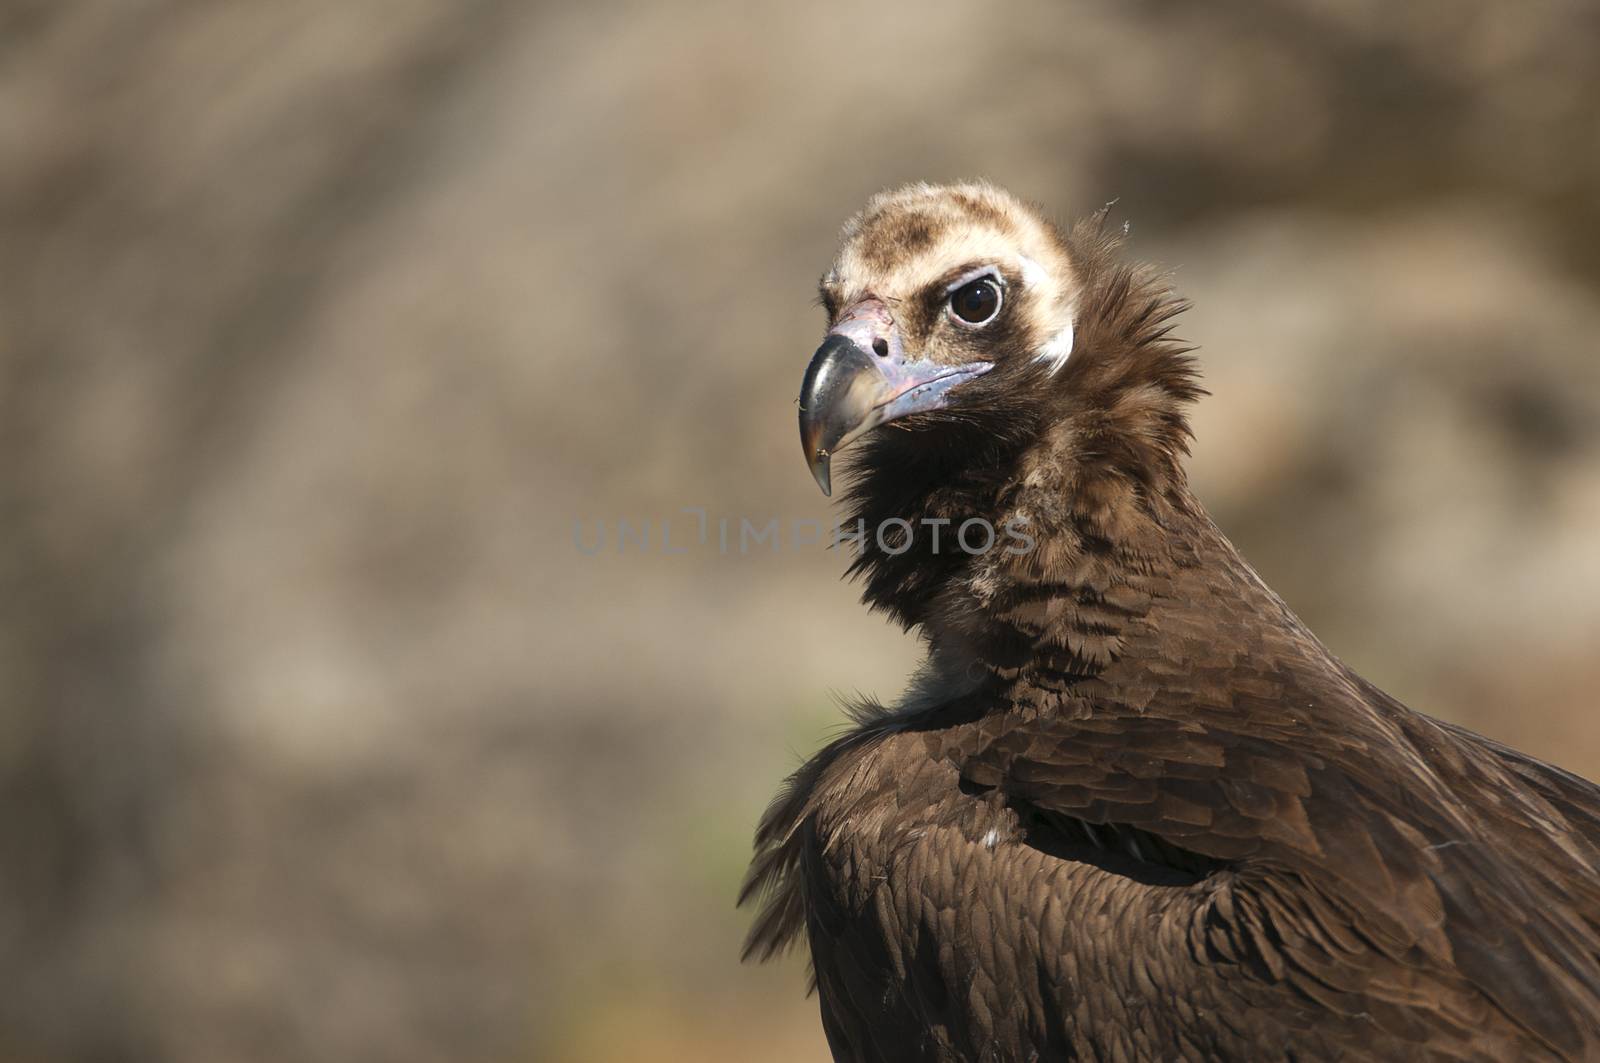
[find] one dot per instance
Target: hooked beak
(860, 378)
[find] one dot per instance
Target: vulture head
(935, 288)
(981, 363)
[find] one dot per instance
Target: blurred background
(322, 325)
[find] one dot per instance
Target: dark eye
(976, 302)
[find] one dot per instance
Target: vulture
(1130, 808)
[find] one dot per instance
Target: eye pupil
(976, 301)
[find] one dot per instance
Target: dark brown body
(1404, 890)
(1135, 810)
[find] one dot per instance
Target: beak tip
(819, 471)
(842, 389)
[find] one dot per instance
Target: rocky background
(321, 325)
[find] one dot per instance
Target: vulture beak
(860, 378)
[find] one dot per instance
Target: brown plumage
(1131, 809)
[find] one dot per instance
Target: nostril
(880, 347)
